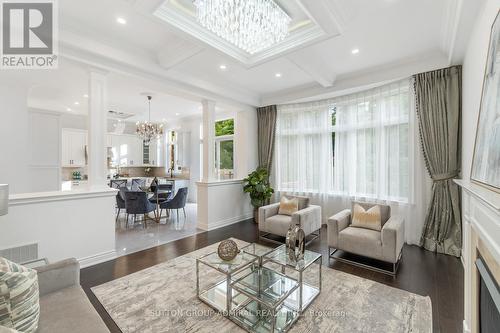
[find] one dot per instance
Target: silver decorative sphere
(228, 250)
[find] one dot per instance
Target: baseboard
(97, 258)
(466, 328)
(225, 222)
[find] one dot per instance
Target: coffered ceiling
(161, 41)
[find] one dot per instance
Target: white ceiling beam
(176, 52)
(314, 67)
(90, 52)
(324, 13)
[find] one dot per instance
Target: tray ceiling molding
(310, 34)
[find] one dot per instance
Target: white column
(97, 125)
(240, 145)
(208, 140)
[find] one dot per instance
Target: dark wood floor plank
(421, 272)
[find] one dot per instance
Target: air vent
(21, 254)
(118, 115)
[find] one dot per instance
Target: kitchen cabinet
(156, 154)
(74, 145)
(126, 149)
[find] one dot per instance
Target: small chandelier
(148, 130)
(251, 25)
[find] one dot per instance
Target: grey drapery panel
(438, 102)
(266, 119)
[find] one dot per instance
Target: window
(224, 148)
(354, 145)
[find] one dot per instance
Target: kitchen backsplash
(67, 173)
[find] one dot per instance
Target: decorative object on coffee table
(228, 250)
(295, 243)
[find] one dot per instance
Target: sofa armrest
(309, 219)
(59, 275)
(393, 239)
(266, 212)
(336, 224)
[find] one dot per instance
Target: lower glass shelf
(253, 317)
(309, 294)
(216, 297)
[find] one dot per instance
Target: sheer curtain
(361, 146)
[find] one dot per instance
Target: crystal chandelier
(251, 25)
(148, 130)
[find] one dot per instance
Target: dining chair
(138, 184)
(137, 203)
(120, 201)
(117, 183)
(178, 202)
(162, 192)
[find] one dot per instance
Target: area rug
(163, 298)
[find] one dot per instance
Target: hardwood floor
(421, 272)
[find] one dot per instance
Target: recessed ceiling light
(223, 67)
(121, 20)
(68, 109)
(355, 51)
(77, 103)
(86, 96)
(177, 114)
(278, 75)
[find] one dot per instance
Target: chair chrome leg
(177, 211)
(117, 215)
(391, 272)
(184, 210)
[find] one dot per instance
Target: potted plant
(257, 185)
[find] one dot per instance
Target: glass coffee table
(219, 294)
(262, 289)
(308, 290)
(265, 309)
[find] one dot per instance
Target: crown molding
(453, 11)
(313, 33)
(345, 84)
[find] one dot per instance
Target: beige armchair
(385, 245)
(308, 217)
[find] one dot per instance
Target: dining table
(155, 192)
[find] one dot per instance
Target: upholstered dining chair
(385, 244)
(137, 203)
(271, 222)
(138, 184)
(117, 183)
(162, 193)
(178, 202)
(120, 200)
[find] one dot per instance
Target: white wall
(64, 225)
(222, 203)
(473, 75)
(14, 136)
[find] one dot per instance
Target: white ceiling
(391, 36)
(64, 90)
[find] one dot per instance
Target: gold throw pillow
(368, 219)
(288, 206)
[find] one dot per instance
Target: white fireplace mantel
(481, 220)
